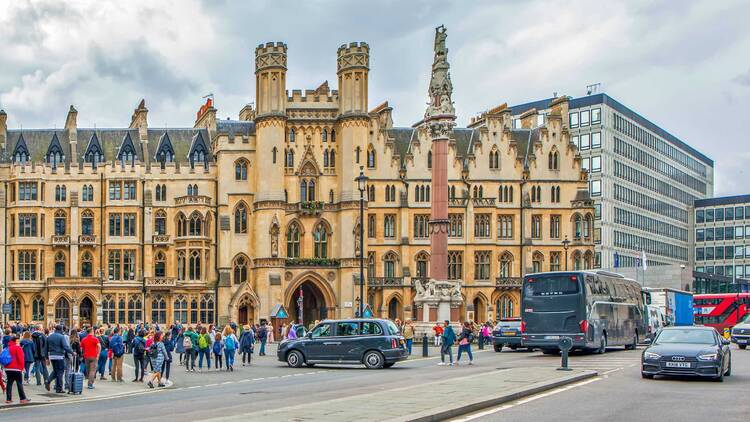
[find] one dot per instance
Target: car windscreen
(508, 324)
(745, 319)
(551, 285)
(392, 329)
(686, 337)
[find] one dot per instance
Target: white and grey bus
(595, 309)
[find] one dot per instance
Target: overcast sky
(684, 65)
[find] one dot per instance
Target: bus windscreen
(553, 285)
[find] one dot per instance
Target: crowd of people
(53, 354)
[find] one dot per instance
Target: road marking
(526, 400)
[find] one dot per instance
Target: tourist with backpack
(101, 364)
(139, 355)
(204, 349)
(117, 346)
(157, 353)
(169, 347)
(190, 343)
(218, 349)
(230, 347)
(179, 347)
(28, 354)
(41, 355)
(447, 338)
(12, 359)
(247, 340)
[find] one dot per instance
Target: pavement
(269, 390)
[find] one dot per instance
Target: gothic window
(423, 264)
(554, 227)
(482, 225)
(577, 261)
(389, 265)
(453, 192)
(292, 135)
(87, 265)
(333, 136)
(371, 157)
(62, 311)
(158, 310)
(357, 151)
(135, 309)
(506, 265)
(240, 219)
(60, 264)
(87, 193)
(194, 270)
(37, 309)
(160, 265)
(114, 261)
(289, 159)
(456, 227)
(371, 193)
(325, 158)
(240, 269)
(324, 136)
(60, 193)
(293, 241)
(332, 159)
(240, 170)
(494, 159)
(371, 264)
(160, 223)
(15, 308)
(181, 225)
(389, 226)
(421, 226)
(588, 260)
(181, 265)
(577, 227)
(482, 265)
(195, 227)
(273, 155)
(320, 240)
(60, 222)
(180, 307)
(192, 190)
(554, 261)
(429, 159)
(536, 262)
(330, 196)
(371, 225)
(207, 308)
(455, 265)
(505, 307)
(27, 265)
(587, 224)
(536, 226)
(505, 227)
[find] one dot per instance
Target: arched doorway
(245, 312)
(85, 311)
(62, 311)
(394, 309)
(480, 310)
(314, 305)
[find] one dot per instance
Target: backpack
(153, 351)
(139, 347)
(217, 348)
(229, 343)
(5, 357)
(118, 349)
(187, 343)
(203, 341)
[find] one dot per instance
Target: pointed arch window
(21, 152)
(332, 159)
(181, 265)
(371, 157)
(207, 308)
(537, 261)
(158, 310)
(194, 271)
(324, 136)
(62, 311)
(273, 155)
(289, 159)
(59, 264)
(160, 265)
(293, 241)
(60, 193)
(320, 241)
(357, 151)
(87, 265)
(423, 265)
(371, 193)
(87, 193)
(182, 225)
(389, 265)
(325, 158)
(195, 225)
(506, 265)
(240, 269)
(37, 309)
(505, 307)
(333, 135)
(180, 307)
(60, 222)
(240, 170)
(240, 219)
(292, 135)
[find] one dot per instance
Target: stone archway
(245, 311)
(314, 306)
(395, 308)
(86, 311)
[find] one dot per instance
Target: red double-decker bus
(721, 310)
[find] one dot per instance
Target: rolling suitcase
(75, 383)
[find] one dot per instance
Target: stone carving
(441, 87)
(437, 291)
(274, 237)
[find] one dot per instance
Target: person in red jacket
(14, 371)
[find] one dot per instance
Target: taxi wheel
(294, 359)
(373, 360)
(388, 365)
(498, 348)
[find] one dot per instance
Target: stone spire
(440, 107)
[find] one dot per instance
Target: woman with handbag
(464, 342)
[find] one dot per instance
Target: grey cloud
(743, 79)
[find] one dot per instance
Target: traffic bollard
(425, 345)
(481, 342)
(565, 345)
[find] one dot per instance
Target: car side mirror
(725, 342)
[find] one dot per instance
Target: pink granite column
(439, 217)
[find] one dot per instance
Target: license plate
(741, 341)
(509, 333)
(677, 364)
(552, 337)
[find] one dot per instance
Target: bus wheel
(602, 345)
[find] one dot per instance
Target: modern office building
(722, 243)
(643, 180)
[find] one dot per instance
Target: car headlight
(709, 356)
(651, 355)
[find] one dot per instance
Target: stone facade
(234, 219)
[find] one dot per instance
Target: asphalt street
(622, 395)
(618, 394)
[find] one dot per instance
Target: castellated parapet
(356, 55)
(270, 55)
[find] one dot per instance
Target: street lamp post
(300, 302)
(361, 185)
(565, 244)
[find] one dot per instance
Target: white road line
(526, 400)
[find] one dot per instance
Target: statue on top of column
(441, 88)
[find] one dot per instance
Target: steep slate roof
(109, 140)
(37, 142)
(181, 140)
(236, 127)
(404, 137)
(525, 139)
(127, 142)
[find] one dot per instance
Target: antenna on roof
(593, 88)
(209, 95)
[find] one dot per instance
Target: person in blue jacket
(447, 338)
(27, 344)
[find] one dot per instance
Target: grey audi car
(691, 351)
(741, 332)
(376, 343)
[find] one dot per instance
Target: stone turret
(3, 128)
(270, 78)
(353, 66)
(139, 121)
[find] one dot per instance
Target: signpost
(566, 343)
(7, 308)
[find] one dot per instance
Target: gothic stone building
(235, 219)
